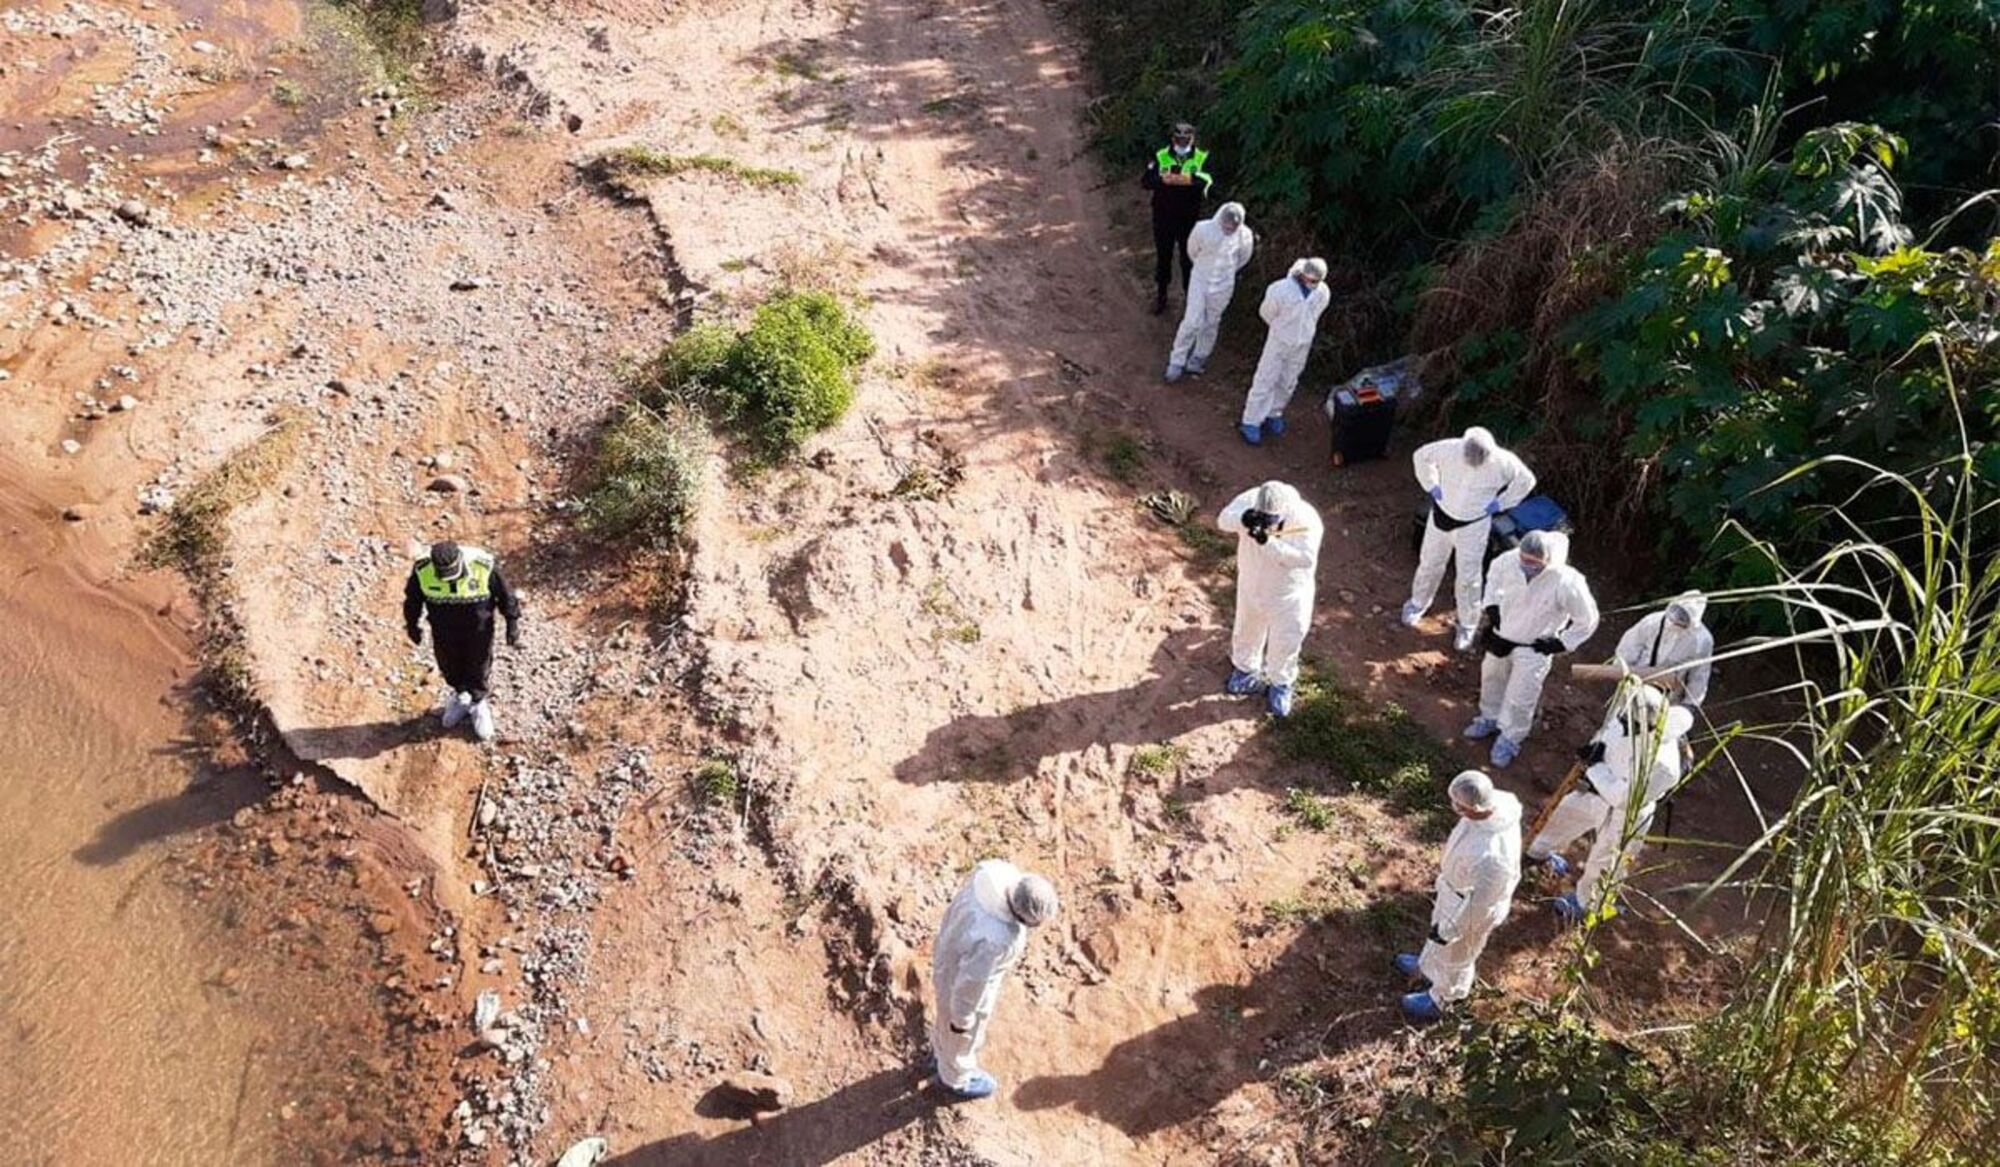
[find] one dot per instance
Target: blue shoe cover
(1241, 684)
(1279, 700)
(1254, 435)
(1274, 426)
(1406, 963)
(980, 1085)
(1505, 750)
(1482, 727)
(1421, 1008)
(1569, 907)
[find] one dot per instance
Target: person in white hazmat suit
(1292, 307)
(1469, 479)
(1632, 763)
(984, 932)
(1537, 607)
(1475, 888)
(1219, 247)
(1278, 535)
(1673, 639)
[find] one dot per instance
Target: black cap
(447, 558)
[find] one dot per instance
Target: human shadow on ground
(1329, 990)
(850, 1119)
(333, 743)
(212, 797)
(1183, 693)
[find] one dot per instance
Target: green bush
(787, 376)
(1379, 749)
(646, 478)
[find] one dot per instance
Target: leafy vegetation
(645, 480)
(787, 376)
(1158, 760)
(716, 783)
(1310, 810)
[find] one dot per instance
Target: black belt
(1445, 522)
(1498, 645)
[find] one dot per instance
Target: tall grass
(1875, 1000)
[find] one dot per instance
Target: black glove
(415, 632)
(1550, 645)
(1262, 535)
(1256, 520)
(513, 636)
(1590, 753)
(1436, 937)
(961, 1032)
(1493, 617)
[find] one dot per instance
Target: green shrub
(787, 376)
(646, 479)
(716, 783)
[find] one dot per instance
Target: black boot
(1160, 302)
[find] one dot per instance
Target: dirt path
(427, 315)
(920, 684)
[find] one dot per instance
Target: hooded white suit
(1557, 603)
(1293, 316)
(1641, 766)
(1217, 255)
(979, 941)
(1655, 643)
(1503, 477)
(1274, 583)
(1475, 887)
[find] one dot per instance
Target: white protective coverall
(1475, 887)
(1274, 583)
(1293, 316)
(1556, 603)
(979, 941)
(1467, 490)
(1218, 255)
(1617, 806)
(1655, 643)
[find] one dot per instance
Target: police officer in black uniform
(1179, 179)
(461, 588)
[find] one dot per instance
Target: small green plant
(1298, 910)
(624, 163)
(646, 478)
(787, 376)
(1123, 458)
(1312, 812)
(716, 783)
(953, 623)
(389, 31)
(728, 125)
(734, 265)
(1159, 760)
(1379, 749)
(951, 105)
(288, 93)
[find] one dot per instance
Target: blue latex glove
(1492, 506)
(1437, 494)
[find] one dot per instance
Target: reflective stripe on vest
(472, 586)
(1193, 164)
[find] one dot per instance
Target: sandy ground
(906, 685)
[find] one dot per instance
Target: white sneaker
(1412, 615)
(456, 706)
(1462, 639)
(482, 721)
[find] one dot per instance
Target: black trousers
(466, 662)
(1169, 236)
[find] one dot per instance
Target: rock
(467, 284)
(449, 484)
(381, 924)
(125, 404)
(586, 1153)
(76, 512)
(155, 499)
(485, 1010)
(294, 162)
(71, 446)
(340, 387)
(752, 1091)
(135, 212)
(443, 460)
(443, 201)
(202, 47)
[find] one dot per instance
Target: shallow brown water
(117, 1043)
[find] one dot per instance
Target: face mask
(1181, 151)
(1531, 570)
